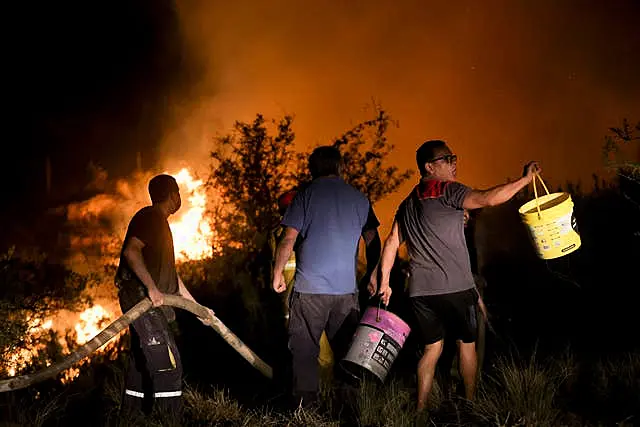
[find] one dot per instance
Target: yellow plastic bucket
(551, 223)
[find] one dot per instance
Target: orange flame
(91, 322)
(20, 358)
(194, 239)
(192, 233)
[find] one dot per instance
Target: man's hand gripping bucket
(376, 343)
(551, 223)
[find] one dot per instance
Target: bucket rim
(531, 204)
(389, 313)
(348, 365)
(560, 255)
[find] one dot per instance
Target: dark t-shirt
(151, 227)
(431, 221)
(330, 216)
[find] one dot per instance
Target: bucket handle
(535, 191)
(378, 310)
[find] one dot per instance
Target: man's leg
(168, 381)
(426, 371)
(341, 325)
(308, 316)
(446, 366)
(464, 326)
(163, 363)
(429, 326)
(468, 364)
(137, 391)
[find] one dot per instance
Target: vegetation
(619, 149)
(516, 392)
(586, 300)
(31, 288)
(251, 168)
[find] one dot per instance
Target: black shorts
(448, 315)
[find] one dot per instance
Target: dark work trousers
(154, 376)
(310, 314)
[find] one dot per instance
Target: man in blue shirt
(329, 216)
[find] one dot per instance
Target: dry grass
(390, 405)
(523, 393)
(34, 410)
(220, 410)
(516, 392)
(614, 387)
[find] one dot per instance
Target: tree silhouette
(364, 149)
(616, 149)
(252, 167)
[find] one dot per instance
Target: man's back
(329, 215)
(431, 221)
(149, 226)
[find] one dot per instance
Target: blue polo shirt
(330, 216)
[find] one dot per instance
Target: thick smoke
(503, 82)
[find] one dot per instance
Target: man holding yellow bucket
(442, 291)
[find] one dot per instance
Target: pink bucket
(376, 344)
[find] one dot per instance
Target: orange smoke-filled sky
(503, 82)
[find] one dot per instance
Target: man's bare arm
(499, 194)
(389, 251)
(477, 199)
(184, 292)
(283, 253)
(373, 245)
(133, 254)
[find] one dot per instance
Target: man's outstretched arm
(499, 194)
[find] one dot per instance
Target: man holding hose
(147, 269)
(442, 291)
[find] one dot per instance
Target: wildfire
(192, 233)
(97, 221)
(21, 357)
(91, 322)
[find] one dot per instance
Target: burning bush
(31, 291)
(49, 311)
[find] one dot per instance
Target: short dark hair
(161, 187)
(426, 152)
(324, 161)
